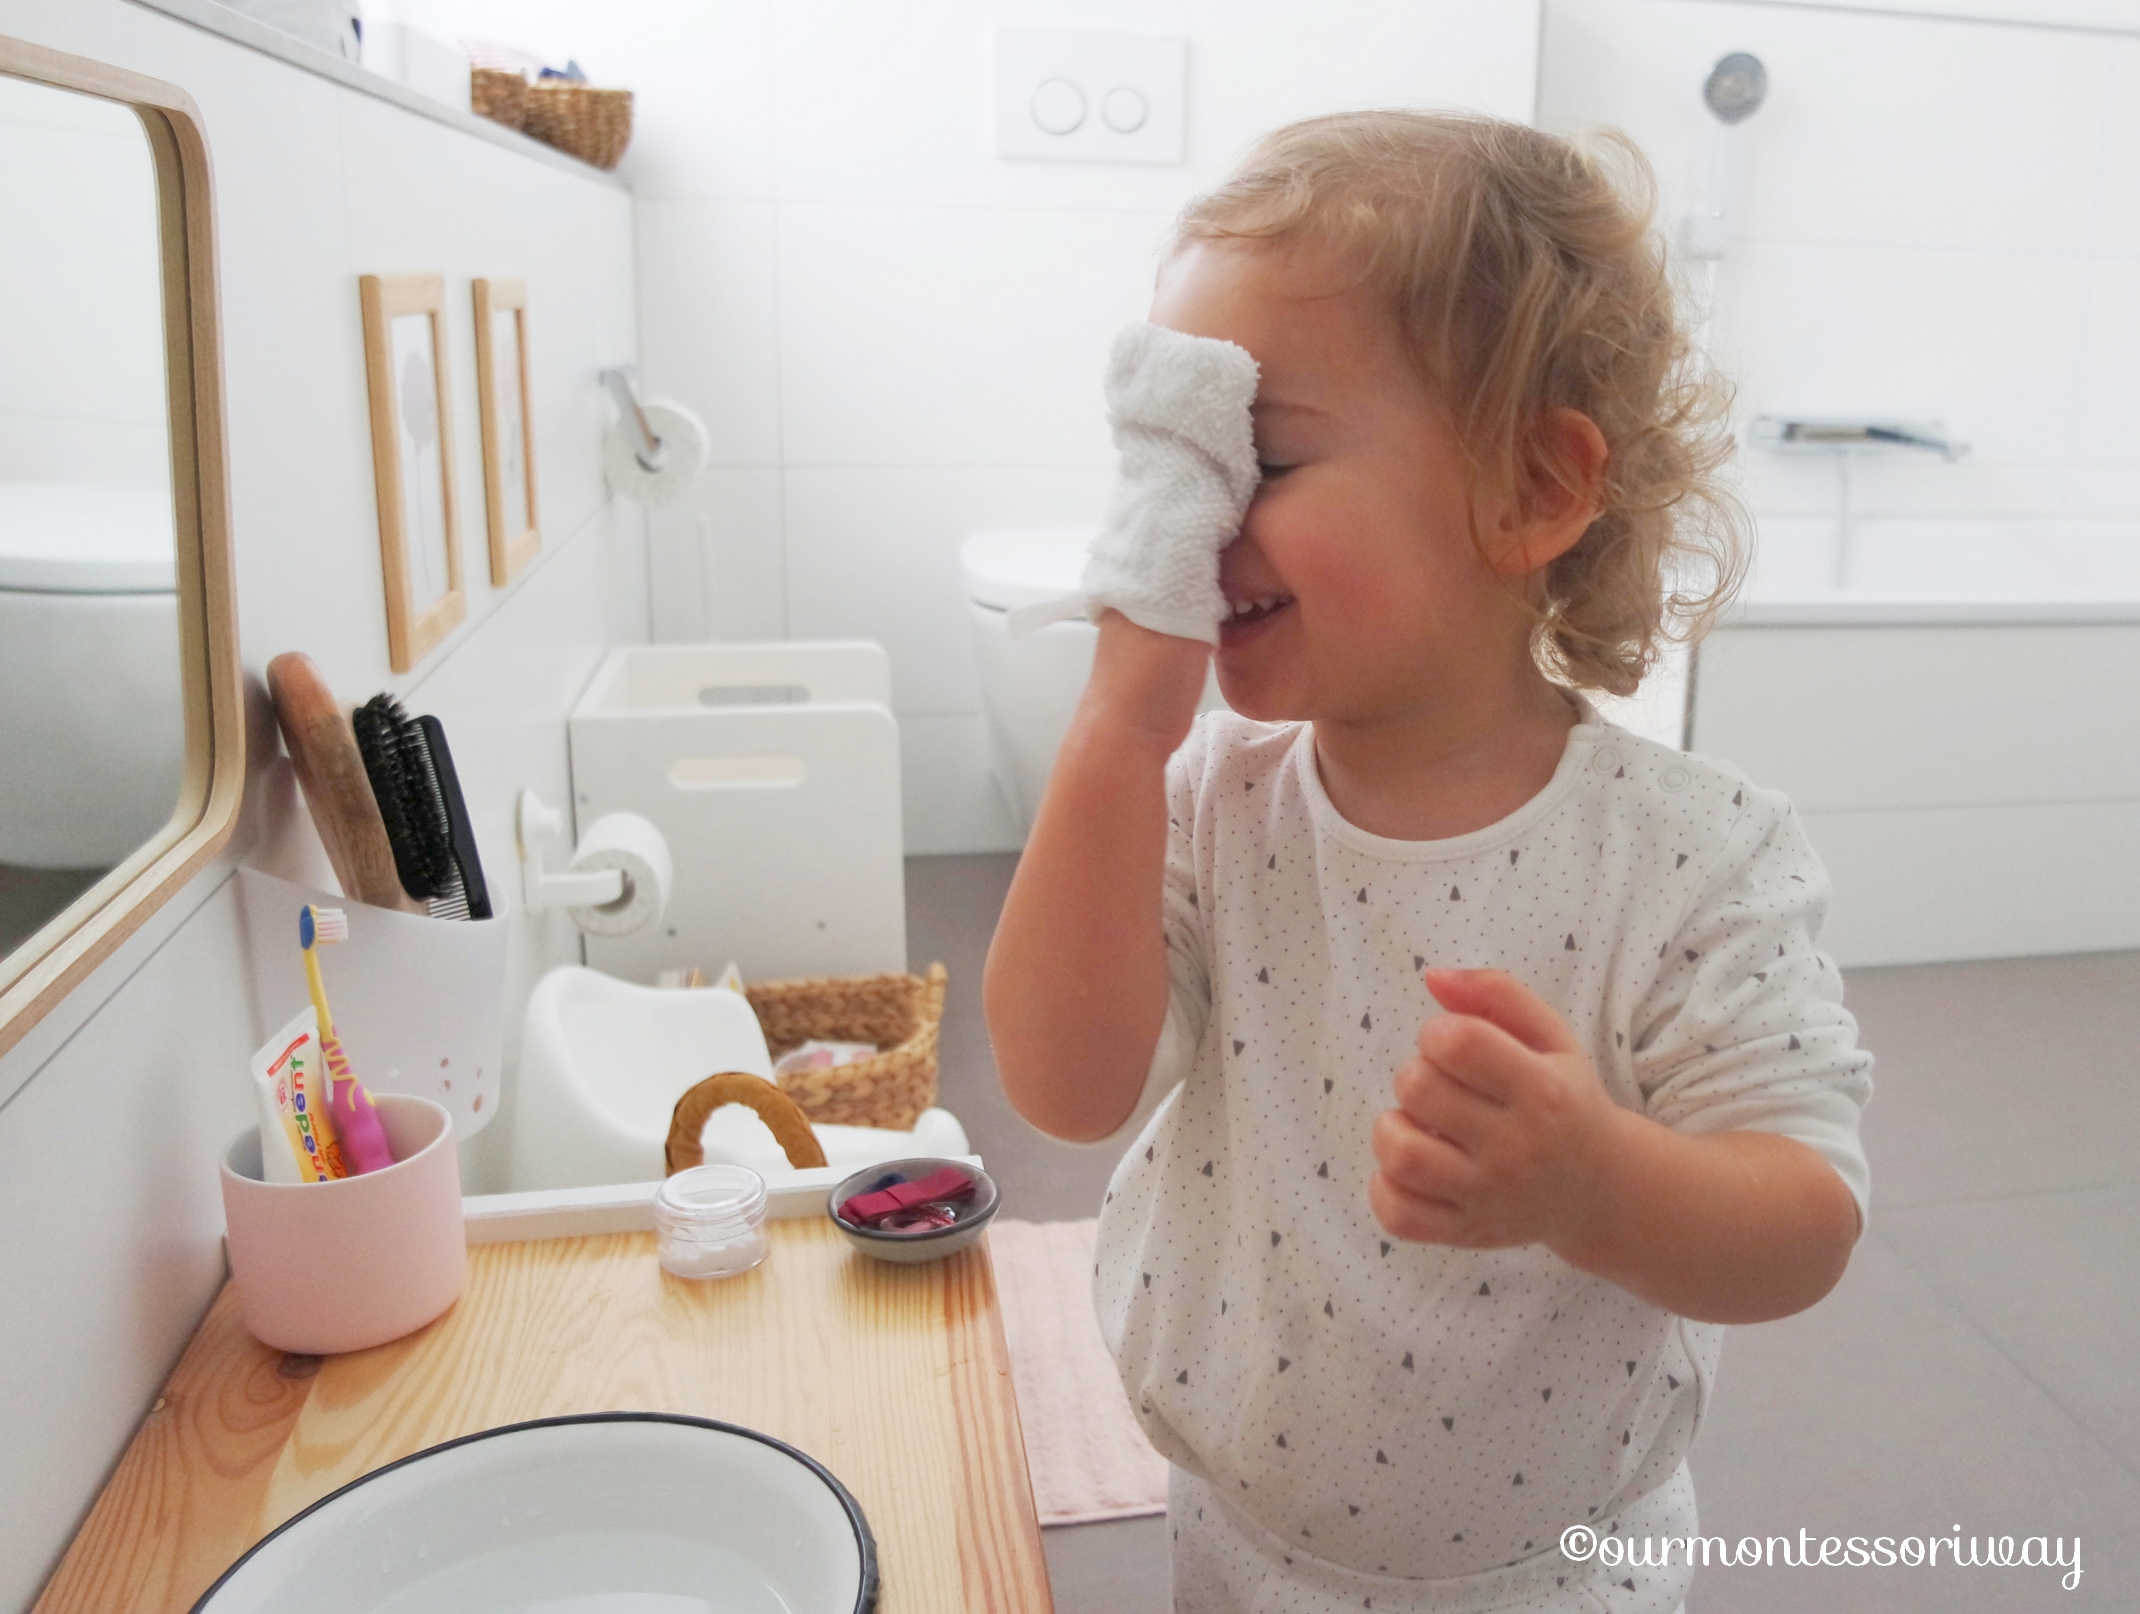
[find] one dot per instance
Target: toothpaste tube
(297, 1141)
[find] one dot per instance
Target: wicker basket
(901, 1014)
(500, 97)
(593, 125)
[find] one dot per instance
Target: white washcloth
(1180, 409)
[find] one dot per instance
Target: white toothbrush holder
(419, 1003)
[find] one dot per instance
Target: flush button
(1606, 761)
(1124, 110)
(1059, 106)
(1676, 778)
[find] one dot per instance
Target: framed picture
(508, 425)
(412, 461)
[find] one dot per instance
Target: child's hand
(1503, 1126)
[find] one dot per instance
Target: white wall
(894, 336)
(1940, 219)
(112, 1110)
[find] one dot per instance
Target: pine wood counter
(895, 1378)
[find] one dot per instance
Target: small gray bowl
(911, 1249)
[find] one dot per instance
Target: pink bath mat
(1089, 1459)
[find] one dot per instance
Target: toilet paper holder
(648, 447)
(538, 826)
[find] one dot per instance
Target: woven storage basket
(901, 1014)
(593, 125)
(500, 97)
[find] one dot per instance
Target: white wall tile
(709, 305)
(949, 800)
(891, 103)
(1988, 342)
(2117, 211)
(700, 72)
(502, 700)
(677, 593)
(724, 539)
(974, 337)
(1266, 65)
(423, 197)
(1901, 251)
(873, 554)
(2097, 490)
(1876, 130)
(2103, 408)
(1906, 485)
(302, 511)
(930, 306)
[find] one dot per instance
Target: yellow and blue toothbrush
(356, 1118)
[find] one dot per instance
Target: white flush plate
(1072, 95)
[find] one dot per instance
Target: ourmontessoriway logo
(1579, 1543)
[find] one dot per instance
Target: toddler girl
(1478, 1054)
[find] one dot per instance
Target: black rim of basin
(865, 1543)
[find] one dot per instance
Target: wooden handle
(323, 748)
(789, 1125)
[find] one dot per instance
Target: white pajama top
(1413, 1410)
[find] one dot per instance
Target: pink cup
(346, 1265)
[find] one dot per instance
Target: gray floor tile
(1881, 1411)
(2054, 1281)
(952, 904)
(1119, 1567)
(2000, 1078)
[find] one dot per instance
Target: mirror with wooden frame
(122, 750)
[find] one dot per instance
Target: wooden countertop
(895, 1378)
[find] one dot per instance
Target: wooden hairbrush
(323, 749)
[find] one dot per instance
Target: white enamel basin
(610, 1513)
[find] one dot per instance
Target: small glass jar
(710, 1221)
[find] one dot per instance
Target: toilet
(1030, 686)
(603, 1062)
(92, 730)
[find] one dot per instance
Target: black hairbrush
(411, 774)
(462, 833)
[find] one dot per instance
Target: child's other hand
(1503, 1123)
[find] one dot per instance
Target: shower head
(1736, 87)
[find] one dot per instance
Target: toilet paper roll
(628, 843)
(683, 455)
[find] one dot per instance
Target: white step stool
(773, 772)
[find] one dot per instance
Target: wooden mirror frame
(44, 969)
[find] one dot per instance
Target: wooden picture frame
(412, 461)
(505, 403)
(38, 975)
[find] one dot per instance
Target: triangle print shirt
(1413, 1409)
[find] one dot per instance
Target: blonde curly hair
(1524, 274)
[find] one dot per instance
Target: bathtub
(1951, 707)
